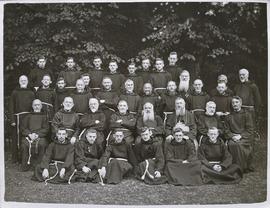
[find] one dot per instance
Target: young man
(197, 98)
(87, 157)
(20, 104)
(123, 120)
(69, 120)
(137, 80)
(35, 129)
(86, 79)
(145, 72)
(223, 100)
(239, 131)
(60, 93)
(71, 74)
(117, 159)
(57, 163)
(116, 77)
(96, 73)
(47, 96)
(222, 79)
(182, 166)
(160, 77)
(37, 74)
(81, 98)
(132, 99)
(217, 164)
(94, 119)
(150, 158)
(152, 121)
(173, 68)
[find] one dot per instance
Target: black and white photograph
(134, 103)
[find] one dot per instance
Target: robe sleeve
(169, 153)
(257, 97)
(56, 122)
(160, 161)
(249, 126)
(44, 130)
(24, 126)
(201, 128)
(47, 157)
(170, 123)
(69, 160)
(130, 122)
(12, 104)
(159, 130)
(76, 127)
(202, 157)
(227, 157)
(105, 157)
(79, 155)
(131, 156)
(192, 128)
(191, 151)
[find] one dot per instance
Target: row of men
(237, 128)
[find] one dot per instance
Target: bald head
(243, 75)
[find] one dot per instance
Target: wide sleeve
(113, 123)
(69, 160)
(129, 122)
(44, 130)
(56, 122)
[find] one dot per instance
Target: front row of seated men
(182, 151)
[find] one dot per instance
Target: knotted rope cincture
(146, 171)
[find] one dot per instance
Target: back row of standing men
(147, 99)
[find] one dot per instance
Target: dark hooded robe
(138, 82)
(70, 76)
(96, 76)
(81, 101)
(196, 102)
(133, 101)
(36, 75)
(216, 153)
(177, 172)
(223, 101)
(117, 80)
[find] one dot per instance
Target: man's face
(159, 65)
(243, 76)
(41, 63)
(236, 104)
(93, 105)
(131, 69)
(61, 84)
(86, 80)
(129, 86)
(122, 107)
(46, 81)
(212, 134)
(91, 137)
(118, 136)
(61, 135)
(23, 81)
(113, 67)
(172, 59)
(198, 85)
(70, 63)
(147, 89)
(97, 62)
(178, 136)
(146, 64)
(37, 106)
(171, 86)
(80, 85)
(68, 103)
(148, 108)
(184, 76)
(107, 84)
(221, 88)
(180, 104)
(146, 136)
(210, 109)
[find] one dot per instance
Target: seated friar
(217, 163)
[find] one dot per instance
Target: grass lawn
(252, 189)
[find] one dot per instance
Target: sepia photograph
(134, 103)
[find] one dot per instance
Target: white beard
(180, 111)
(148, 116)
(184, 85)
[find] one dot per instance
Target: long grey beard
(184, 85)
(180, 112)
(148, 116)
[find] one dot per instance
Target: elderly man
(149, 96)
(19, 105)
(35, 129)
(94, 119)
(152, 121)
(168, 98)
(133, 99)
(208, 120)
(239, 132)
(197, 98)
(249, 92)
(183, 119)
(69, 120)
(123, 121)
(184, 87)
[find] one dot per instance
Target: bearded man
(152, 121)
(184, 84)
